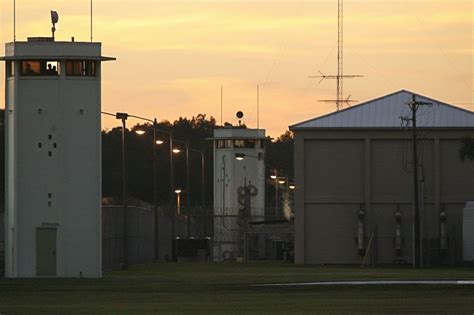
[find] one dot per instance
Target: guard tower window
(39, 68)
(224, 144)
(81, 68)
(244, 143)
(11, 68)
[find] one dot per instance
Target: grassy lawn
(224, 289)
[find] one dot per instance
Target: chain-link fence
(244, 235)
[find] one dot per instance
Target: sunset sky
(173, 56)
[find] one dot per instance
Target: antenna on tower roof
(258, 106)
(14, 20)
(222, 106)
(91, 21)
(54, 20)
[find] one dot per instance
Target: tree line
(139, 156)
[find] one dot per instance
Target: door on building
(45, 251)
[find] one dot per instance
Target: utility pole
(417, 240)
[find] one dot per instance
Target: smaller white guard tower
(239, 178)
(53, 158)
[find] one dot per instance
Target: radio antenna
(222, 108)
(14, 20)
(340, 101)
(258, 106)
(91, 21)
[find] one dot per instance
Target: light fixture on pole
(178, 200)
(239, 156)
(188, 189)
(242, 156)
(274, 176)
(123, 117)
(155, 175)
(173, 223)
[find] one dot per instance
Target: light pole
(202, 189)
(178, 191)
(282, 181)
(155, 185)
(203, 192)
(173, 222)
(186, 148)
(188, 180)
(178, 200)
(155, 141)
(275, 178)
(123, 117)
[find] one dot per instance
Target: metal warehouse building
(353, 174)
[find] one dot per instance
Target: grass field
(225, 288)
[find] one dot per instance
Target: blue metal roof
(385, 112)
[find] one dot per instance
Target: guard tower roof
(46, 48)
(238, 133)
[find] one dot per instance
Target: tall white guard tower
(239, 187)
(53, 158)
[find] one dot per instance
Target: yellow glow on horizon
(173, 56)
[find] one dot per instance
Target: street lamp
(242, 156)
(201, 152)
(155, 185)
(123, 117)
(186, 146)
(178, 200)
(158, 141)
(239, 156)
(188, 178)
(173, 222)
(274, 176)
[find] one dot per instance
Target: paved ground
(370, 282)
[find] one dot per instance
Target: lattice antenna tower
(340, 100)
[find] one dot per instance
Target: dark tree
(139, 155)
(279, 157)
(467, 149)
